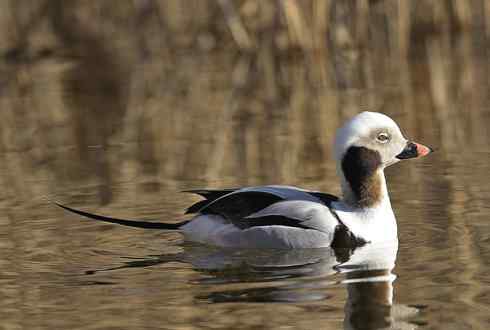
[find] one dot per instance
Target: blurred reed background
(101, 92)
(123, 103)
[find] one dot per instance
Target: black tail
(130, 223)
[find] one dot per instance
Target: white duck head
(364, 146)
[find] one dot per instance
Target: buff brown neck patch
(359, 166)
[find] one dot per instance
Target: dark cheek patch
(359, 166)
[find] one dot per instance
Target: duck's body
(290, 217)
(285, 217)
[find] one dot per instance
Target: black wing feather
(326, 199)
(209, 195)
(237, 206)
(194, 208)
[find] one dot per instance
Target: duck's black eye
(383, 137)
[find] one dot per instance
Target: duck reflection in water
(296, 276)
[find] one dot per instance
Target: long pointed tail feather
(124, 222)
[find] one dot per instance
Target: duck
(288, 217)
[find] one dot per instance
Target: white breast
(376, 224)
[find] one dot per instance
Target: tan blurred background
(104, 91)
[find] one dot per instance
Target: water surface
(59, 270)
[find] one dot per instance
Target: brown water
(118, 122)
(62, 271)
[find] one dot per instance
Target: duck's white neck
(367, 211)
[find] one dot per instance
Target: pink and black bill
(414, 150)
